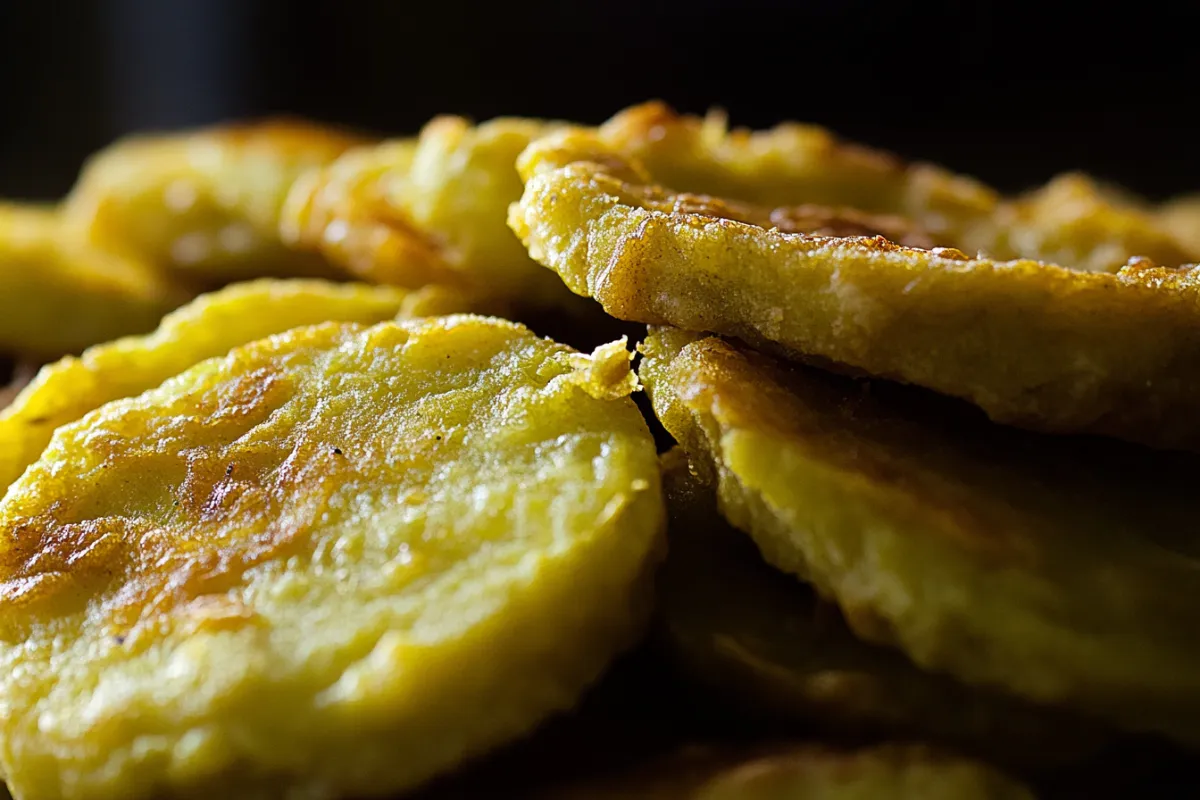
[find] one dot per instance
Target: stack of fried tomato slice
(288, 517)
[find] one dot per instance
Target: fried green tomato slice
(763, 641)
(1058, 569)
(1075, 222)
(1034, 345)
(59, 294)
(807, 771)
(209, 326)
(205, 204)
(333, 563)
(432, 210)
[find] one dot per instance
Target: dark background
(1011, 92)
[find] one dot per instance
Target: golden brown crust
(1034, 345)
(47, 560)
(411, 212)
(1073, 221)
(843, 222)
(813, 220)
(342, 211)
(796, 164)
(643, 129)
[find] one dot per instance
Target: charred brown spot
(149, 531)
(842, 222)
(249, 395)
(950, 253)
(876, 231)
(41, 559)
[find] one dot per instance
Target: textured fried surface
(794, 164)
(204, 203)
(569, 146)
(767, 643)
(208, 327)
(1182, 217)
(1033, 345)
(430, 211)
(332, 563)
(1075, 222)
(59, 295)
(801, 772)
(1062, 570)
